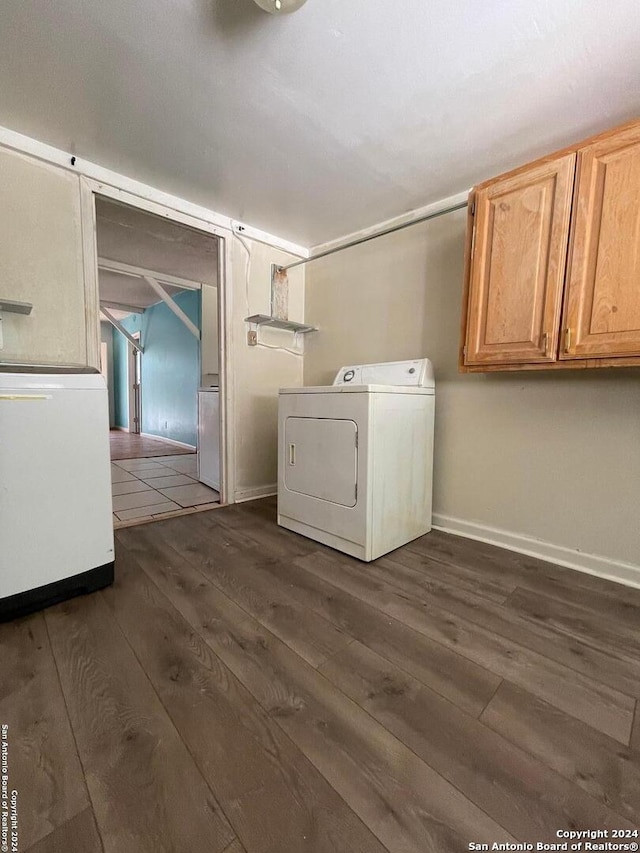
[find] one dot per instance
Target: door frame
(134, 372)
(89, 188)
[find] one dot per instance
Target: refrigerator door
(55, 484)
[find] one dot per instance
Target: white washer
(355, 459)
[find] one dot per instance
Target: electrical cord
(282, 349)
(246, 293)
(247, 269)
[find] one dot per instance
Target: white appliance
(56, 529)
(355, 459)
(209, 437)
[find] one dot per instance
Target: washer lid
(359, 389)
(417, 373)
(10, 382)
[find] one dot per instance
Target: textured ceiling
(318, 123)
(142, 240)
(132, 292)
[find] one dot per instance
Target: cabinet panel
(602, 316)
(209, 438)
(41, 261)
(518, 264)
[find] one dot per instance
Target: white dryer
(355, 459)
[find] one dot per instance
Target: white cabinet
(209, 344)
(56, 528)
(41, 261)
(209, 437)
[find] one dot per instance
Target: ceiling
(131, 294)
(127, 235)
(315, 124)
(135, 237)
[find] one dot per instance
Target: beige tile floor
(147, 487)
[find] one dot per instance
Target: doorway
(158, 295)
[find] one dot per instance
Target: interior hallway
(241, 688)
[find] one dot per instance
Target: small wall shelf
(289, 325)
(15, 307)
(12, 307)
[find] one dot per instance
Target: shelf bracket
(13, 307)
(277, 323)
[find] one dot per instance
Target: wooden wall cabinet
(552, 277)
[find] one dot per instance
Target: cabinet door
(602, 310)
(518, 263)
(41, 261)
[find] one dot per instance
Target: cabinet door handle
(25, 398)
(292, 454)
(567, 340)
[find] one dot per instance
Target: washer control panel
(418, 372)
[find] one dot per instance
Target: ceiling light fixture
(280, 7)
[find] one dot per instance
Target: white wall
(209, 339)
(41, 262)
(552, 456)
(260, 371)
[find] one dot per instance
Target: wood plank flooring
(128, 445)
(242, 689)
(40, 736)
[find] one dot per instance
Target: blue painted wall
(170, 370)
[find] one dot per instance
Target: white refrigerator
(209, 437)
(56, 529)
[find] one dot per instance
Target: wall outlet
(252, 339)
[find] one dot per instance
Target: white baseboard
(243, 495)
(591, 564)
(168, 440)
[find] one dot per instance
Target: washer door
(321, 459)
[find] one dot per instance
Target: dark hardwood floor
(242, 689)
